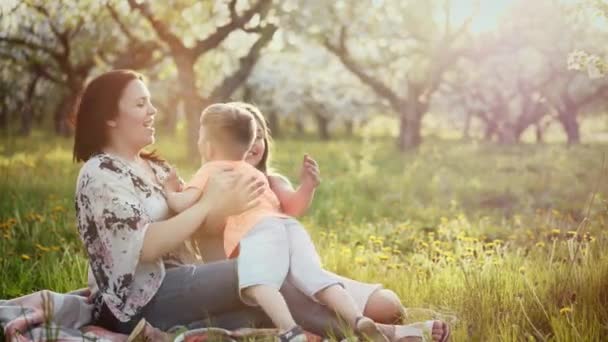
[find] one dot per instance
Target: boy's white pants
(279, 248)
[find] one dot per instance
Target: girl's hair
(97, 104)
(261, 121)
(230, 126)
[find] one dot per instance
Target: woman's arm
(227, 193)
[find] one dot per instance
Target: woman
(137, 251)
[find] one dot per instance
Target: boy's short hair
(230, 126)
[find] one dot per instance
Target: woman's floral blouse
(115, 204)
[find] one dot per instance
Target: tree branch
(236, 22)
(31, 46)
(340, 50)
(246, 64)
(121, 25)
(163, 32)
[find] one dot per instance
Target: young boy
(270, 245)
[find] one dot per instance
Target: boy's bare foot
(368, 328)
(439, 331)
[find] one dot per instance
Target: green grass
(501, 240)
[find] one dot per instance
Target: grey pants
(207, 295)
(276, 249)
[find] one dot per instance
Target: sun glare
(486, 13)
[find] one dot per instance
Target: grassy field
(506, 242)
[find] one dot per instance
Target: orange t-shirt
(237, 226)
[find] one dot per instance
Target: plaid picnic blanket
(64, 317)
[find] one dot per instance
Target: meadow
(506, 242)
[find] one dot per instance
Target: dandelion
(58, 209)
(565, 310)
(522, 270)
(383, 257)
(555, 233)
(25, 257)
(42, 248)
(540, 244)
(571, 234)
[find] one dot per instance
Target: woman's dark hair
(98, 103)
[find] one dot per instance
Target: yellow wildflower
(565, 310)
(42, 248)
(540, 244)
(58, 209)
(25, 257)
(383, 257)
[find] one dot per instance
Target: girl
(296, 203)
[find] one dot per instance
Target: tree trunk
(193, 102)
(27, 108)
(273, 123)
(507, 135)
(569, 122)
(411, 114)
(299, 124)
(409, 130)
(539, 132)
(170, 112)
(26, 119)
(3, 116)
(467, 126)
(322, 126)
(63, 112)
(349, 128)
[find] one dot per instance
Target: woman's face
(256, 152)
(134, 124)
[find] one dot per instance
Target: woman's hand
(309, 173)
(229, 193)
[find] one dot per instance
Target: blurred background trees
(498, 71)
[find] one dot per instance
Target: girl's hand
(172, 183)
(310, 175)
(230, 193)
